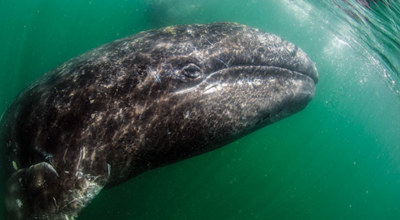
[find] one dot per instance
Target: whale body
(142, 102)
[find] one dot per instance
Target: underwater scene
(338, 158)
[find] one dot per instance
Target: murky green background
(337, 159)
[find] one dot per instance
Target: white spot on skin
(210, 89)
(81, 157)
(19, 203)
(226, 65)
(55, 202)
(51, 168)
(183, 91)
(152, 72)
(166, 45)
(79, 174)
(258, 82)
(84, 153)
(99, 118)
(214, 88)
(108, 169)
(107, 86)
(65, 154)
(190, 31)
(15, 166)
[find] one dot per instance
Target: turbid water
(337, 159)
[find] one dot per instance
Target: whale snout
(304, 65)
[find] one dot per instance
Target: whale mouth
(310, 73)
(296, 61)
(256, 76)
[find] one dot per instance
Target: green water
(337, 159)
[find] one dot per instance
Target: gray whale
(142, 102)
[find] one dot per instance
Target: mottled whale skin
(142, 102)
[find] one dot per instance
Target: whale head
(214, 83)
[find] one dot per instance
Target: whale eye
(191, 70)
